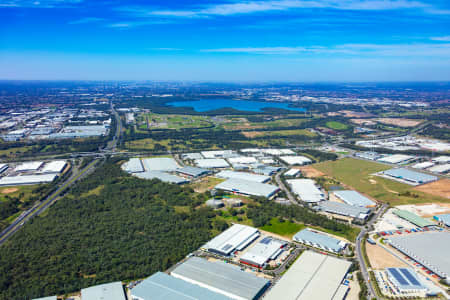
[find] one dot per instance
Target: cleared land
(9, 190)
(309, 171)
(159, 121)
(381, 259)
(251, 134)
(439, 188)
(206, 183)
(399, 122)
(357, 174)
(243, 124)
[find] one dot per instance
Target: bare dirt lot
(252, 134)
(362, 121)
(438, 188)
(309, 171)
(9, 190)
(400, 122)
(380, 258)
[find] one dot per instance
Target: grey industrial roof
(267, 170)
(319, 239)
(107, 291)
(445, 218)
(248, 187)
(406, 174)
(306, 189)
(212, 163)
(160, 164)
(405, 278)
(192, 156)
(234, 238)
(312, 276)
(222, 277)
(161, 176)
(134, 165)
(193, 171)
(242, 175)
(344, 209)
(354, 198)
(428, 248)
(46, 298)
(27, 179)
(161, 286)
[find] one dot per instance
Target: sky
(226, 40)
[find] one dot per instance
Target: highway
(42, 205)
(39, 207)
(362, 263)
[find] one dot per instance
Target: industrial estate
(119, 194)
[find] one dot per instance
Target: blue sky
(228, 40)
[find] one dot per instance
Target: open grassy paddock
(336, 125)
(356, 174)
(160, 121)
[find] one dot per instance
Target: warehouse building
(352, 198)
(248, 188)
(423, 165)
(443, 219)
(3, 168)
(397, 159)
(295, 160)
(161, 286)
(409, 177)
(215, 203)
(267, 170)
(160, 164)
(193, 172)
(223, 278)
(56, 166)
(47, 298)
(405, 281)
(110, 291)
(212, 163)
(368, 155)
(430, 249)
(276, 152)
(292, 173)
(134, 165)
(265, 250)
(163, 176)
(442, 169)
(31, 166)
(412, 218)
(242, 176)
(441, 159)
(319, 240)
(235, 238)
(306, 189)
(312, 276)
(344, 211)
(219, 154)
(242, 160)
(27, 179)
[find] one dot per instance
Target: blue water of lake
(242, 105)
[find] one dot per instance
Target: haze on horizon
(226, 40)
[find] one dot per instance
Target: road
(285, 189)
(362, 263)
(38, 208)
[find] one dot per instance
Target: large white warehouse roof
(56, 166)
(246, 187)
(210, 163)
(27, 179)
(160, 164)
(312, 276)
(243, 175)
(237, 237)
(295, 160)
(306, 189)
(29, 166)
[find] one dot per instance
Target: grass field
(242, 123)
(251, 134)
(356, 174)
(206, 184)
(287, 229)
(336, 125)
(156, 121)
(25, 191)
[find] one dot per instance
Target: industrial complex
(306, 190)
(319, 240)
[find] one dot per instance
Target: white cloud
(86, 20)
(39, 4)
(369, 50)
(441, 38)
(248, 7)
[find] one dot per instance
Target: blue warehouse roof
(405, 279)
(161, 286)
(319, 239)
(410, 175)
(354, 198)
(444, 219)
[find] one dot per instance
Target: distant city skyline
(234, 40)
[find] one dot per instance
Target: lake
(242, 105)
